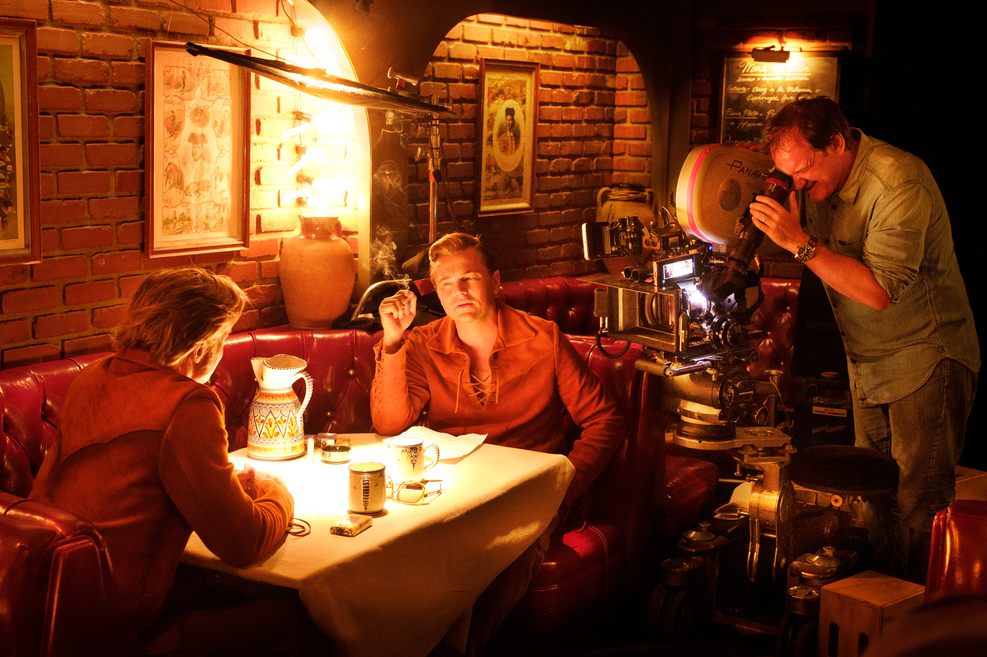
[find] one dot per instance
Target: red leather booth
(643, 497)
(958, 558)
(56, 586)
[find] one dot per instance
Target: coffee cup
(407, 458)
(367, 488)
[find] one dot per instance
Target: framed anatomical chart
(198, 148)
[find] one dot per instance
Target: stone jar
(317, 272)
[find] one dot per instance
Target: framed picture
(509, 112)
(197, 135)
(20, 194)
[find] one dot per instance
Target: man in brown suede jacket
(141, 450)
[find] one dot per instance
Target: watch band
(807, 250)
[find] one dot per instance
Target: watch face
(805, 252)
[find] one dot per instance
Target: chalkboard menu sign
(753, 91)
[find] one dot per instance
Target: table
(398, 587)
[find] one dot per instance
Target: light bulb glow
(297, 130)
(318, 203)
(316, 153)
(315, 39)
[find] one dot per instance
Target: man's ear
(838, 145)
(496, 279)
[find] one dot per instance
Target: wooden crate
(970, 484)
(854, 611)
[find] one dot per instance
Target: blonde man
(141, 450)
(490, 369)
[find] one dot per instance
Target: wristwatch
(807, 250)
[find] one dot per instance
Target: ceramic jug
(317, 272)
(275, 431)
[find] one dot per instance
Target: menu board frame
(753, 91)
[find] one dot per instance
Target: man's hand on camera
(396, 315)
(781, 225)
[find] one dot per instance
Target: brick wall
(92, 102)
(593, 130)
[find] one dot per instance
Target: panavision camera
(691, 291)
(688, 297)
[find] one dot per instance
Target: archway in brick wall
(589, 124)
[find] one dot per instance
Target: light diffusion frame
(198, 147)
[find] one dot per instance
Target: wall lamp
(769, 54)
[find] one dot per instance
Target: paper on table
(450, 447)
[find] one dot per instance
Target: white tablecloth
(398, 587)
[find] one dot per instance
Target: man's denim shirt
(891, 216)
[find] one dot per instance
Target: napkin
(450, 447)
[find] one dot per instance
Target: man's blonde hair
(456, 242)
(175, 309)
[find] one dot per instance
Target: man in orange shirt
(490, 369)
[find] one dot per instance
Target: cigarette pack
(351, 525)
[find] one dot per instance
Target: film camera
(688, 303)
(688, 299)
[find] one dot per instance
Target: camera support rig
(700, 351)
(690, 309)
(688, 301)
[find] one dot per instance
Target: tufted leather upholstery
(566, 301)
(637, 499)
(776, 318)
(49, 561)
(584, 567)
(30, 410)
(590, 563)
(958, 560)
(341, 365)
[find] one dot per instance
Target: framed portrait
(20, 194)
(199, 153)
(508, 114)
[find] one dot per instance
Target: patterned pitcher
(275, 431)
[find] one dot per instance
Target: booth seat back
(958, 557)
(31, 399)
(565, 300)
(341, 364)
(56, 586)
(606, 549)
(776, 318)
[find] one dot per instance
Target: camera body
(692, 293)
(661, 306)
(623, 236)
